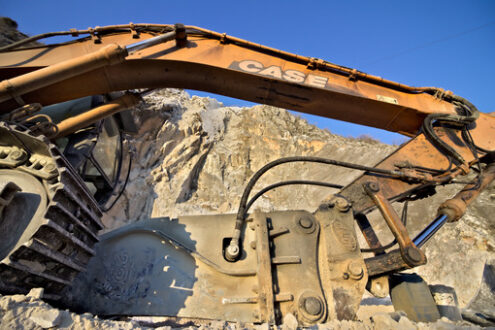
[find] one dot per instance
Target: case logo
(274, 71)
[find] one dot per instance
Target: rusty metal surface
(410, 253)
(386, 263)
(456, 207)
(416, 152)
(167, 267)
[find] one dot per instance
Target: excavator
(63, 161)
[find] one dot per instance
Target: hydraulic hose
(459, 121)
(287, 183)
(233, 250)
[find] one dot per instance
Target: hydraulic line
(158, 28)
(287, 183)
(459, 121)
(232, 251)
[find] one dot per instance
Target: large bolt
(305, 222)
(232, 252)
(342, 204)
(413, 254)
(313, 306)
(16, 154)
(373, 186)
(355, 270)
(51, 168)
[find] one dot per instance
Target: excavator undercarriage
(49, 220)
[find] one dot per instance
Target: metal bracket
(315, 63)
(94, 36)
(353, 75)
(74, 32)
(378, 286)
(265, 282)
(134, 32)
(411, 254)
(344, 273)
(223, 38)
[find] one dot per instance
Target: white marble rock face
(195, 156)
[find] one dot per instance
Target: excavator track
(48, 217)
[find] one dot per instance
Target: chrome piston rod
(150, 42)
(430, 230)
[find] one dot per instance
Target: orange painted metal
(456, 207)
(70, 125)
(410, 253)
(208, 64)
(16, 87)
(226, 65)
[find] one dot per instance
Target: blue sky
(448, 44)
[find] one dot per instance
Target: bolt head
(305, 222)
(313, 305)
(16, 154)
(342, 204)
(51, 168)
(413, 254)
(355, 269)
(373, 186)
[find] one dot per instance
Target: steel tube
(430, 230)
(132, 48)
(14, 88)
(70, 125)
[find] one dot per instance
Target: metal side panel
(166, 267)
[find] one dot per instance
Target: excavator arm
(449, 135)
(217, 63)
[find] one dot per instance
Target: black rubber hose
(242, 205)
(123, 187)
(459, 121)
(287, 183)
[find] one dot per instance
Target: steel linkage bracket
(411, 254)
